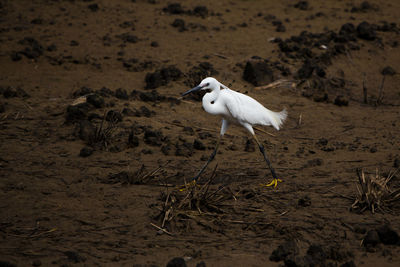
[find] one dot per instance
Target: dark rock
(198, 145)
(371, 238)
(121, 94)
(174, 8)
(152, 96)
(52, 48)
(304, 201)
(322, 142)
(201, 11)
(283, 251)
(74, 256)
(388, 71)
(146, 112)
(280, 28)
(314, 162)
(96, 100)
(93, 7)
(9, 92)
(366, 31)
(153, 138)
(302, 5)
(7, 264)
(205, 135)
(317, 255)
(74, 43)
(258, 72)
(82, 91)
(15, 56)
(86, 130)
(2, 108)
(77, 112)
(320, 71)
(341, 101)
(348, 264)
(387, 235)
(162, 77)
(201, 264)
(184, 150)
(37, 21)
(86, 151)
(114, 116)
(347, 28)
(165, 149)
(198, 73)
(37, 263)
(179, 24)
(305, 70)
(105, 92)
(154, 44)
(128, 38)
(133, 140)
(177, 262)
(364, 7)
(128, 112)
(34, 49)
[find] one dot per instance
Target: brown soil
(61, 205)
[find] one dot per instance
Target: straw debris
(374, 192)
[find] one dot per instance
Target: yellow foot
(187, 186)
(274, 183)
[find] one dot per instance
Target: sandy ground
(88, 184)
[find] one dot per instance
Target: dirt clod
(177, 262)
(258, 72)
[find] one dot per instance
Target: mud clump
(153, 138)
(162, 77)
(10, 92)
(283, 251)
(77, 112)
(96, 100)
(33, 49)
(121, 93)
(197, 73)
(179, 24)
(366, 31)
(184, 149)
(86, 151)
(114, 116)
(258, 72)
(177, 262)
(86, 130)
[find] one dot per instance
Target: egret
(240, 109)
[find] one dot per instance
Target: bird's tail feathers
(277, 118)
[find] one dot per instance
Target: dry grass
(104, 133)
(374, 192)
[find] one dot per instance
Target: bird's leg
(211, 158)
(275, 179)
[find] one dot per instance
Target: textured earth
(95, 139)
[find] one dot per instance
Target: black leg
(211, 158)
(262, 150)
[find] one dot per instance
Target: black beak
(197, 88)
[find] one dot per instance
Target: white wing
(245, 109)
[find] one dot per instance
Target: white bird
(240, 109)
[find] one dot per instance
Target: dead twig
(365, 89)
(161, 229)
(380, 96)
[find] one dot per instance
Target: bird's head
(206, 84)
